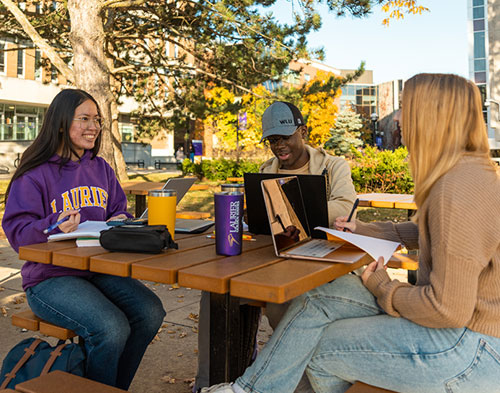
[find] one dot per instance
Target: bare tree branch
(121, 3)
(54, 58)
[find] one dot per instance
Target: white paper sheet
(374, 247)
(85, 229)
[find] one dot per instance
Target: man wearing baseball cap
(285, 132)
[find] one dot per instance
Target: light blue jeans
(339, 335)
(116, 316)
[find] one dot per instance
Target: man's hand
(371, 268)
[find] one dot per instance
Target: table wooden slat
(42, 252)
(289, 278)
(165, 269)
(77, 257)
(214, 276)
(119, 263)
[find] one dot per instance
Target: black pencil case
(151, 239)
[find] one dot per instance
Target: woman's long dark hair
(54, 133)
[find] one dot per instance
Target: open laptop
(315, 202)
(181, 185)
(289, 226)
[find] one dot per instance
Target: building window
(127, 131)
(478, 12)
(477, 2)
(176, 51)
(3, 46)
(479, 25)
(480, 65)
(20, 122)
(307, 77)
(480, 77)
(479, 45)
(20, 62)
(53, 74)
(38, 65)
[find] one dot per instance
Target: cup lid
(162, 193)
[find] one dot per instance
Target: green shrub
(381, 171)
(219, 169)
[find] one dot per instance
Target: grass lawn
(203, 201)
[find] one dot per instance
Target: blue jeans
(338, 334)
(116, 316)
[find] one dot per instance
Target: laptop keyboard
(318, 248)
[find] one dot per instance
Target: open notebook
(291, 234)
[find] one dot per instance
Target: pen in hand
(54, 226)
(356, 202)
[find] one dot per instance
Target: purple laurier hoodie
(38, 197)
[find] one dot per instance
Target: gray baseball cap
(281, 118)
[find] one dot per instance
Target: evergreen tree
(345, 134)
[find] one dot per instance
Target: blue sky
(435, 41)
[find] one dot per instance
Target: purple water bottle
(228, 222)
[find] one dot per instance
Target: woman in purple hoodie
(60, 175)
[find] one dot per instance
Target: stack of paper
(373, 246)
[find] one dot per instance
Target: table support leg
(232, 337)
(140, 205)
(412, 274)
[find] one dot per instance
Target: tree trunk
(92, 74)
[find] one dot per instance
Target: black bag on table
(33, 357)
(150, 239)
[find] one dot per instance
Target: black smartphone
(128, 221)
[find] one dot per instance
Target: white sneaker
(220, 388)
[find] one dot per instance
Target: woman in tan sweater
(440, 335)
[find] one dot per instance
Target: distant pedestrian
(191, 151)
(179, 154)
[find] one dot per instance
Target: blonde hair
(442, 121)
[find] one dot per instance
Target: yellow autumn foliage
(320, 110)
(397, 8)
(225, 123)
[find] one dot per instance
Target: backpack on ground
(33, 357)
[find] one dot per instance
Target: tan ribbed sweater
(458, 236)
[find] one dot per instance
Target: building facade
(484, 60)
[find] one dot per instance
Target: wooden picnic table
(256, 274)
(141, 189)
(391, 201)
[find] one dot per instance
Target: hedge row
(372, 170)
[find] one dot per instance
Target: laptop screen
(314, 194)
(180, 184)
(286, 212)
